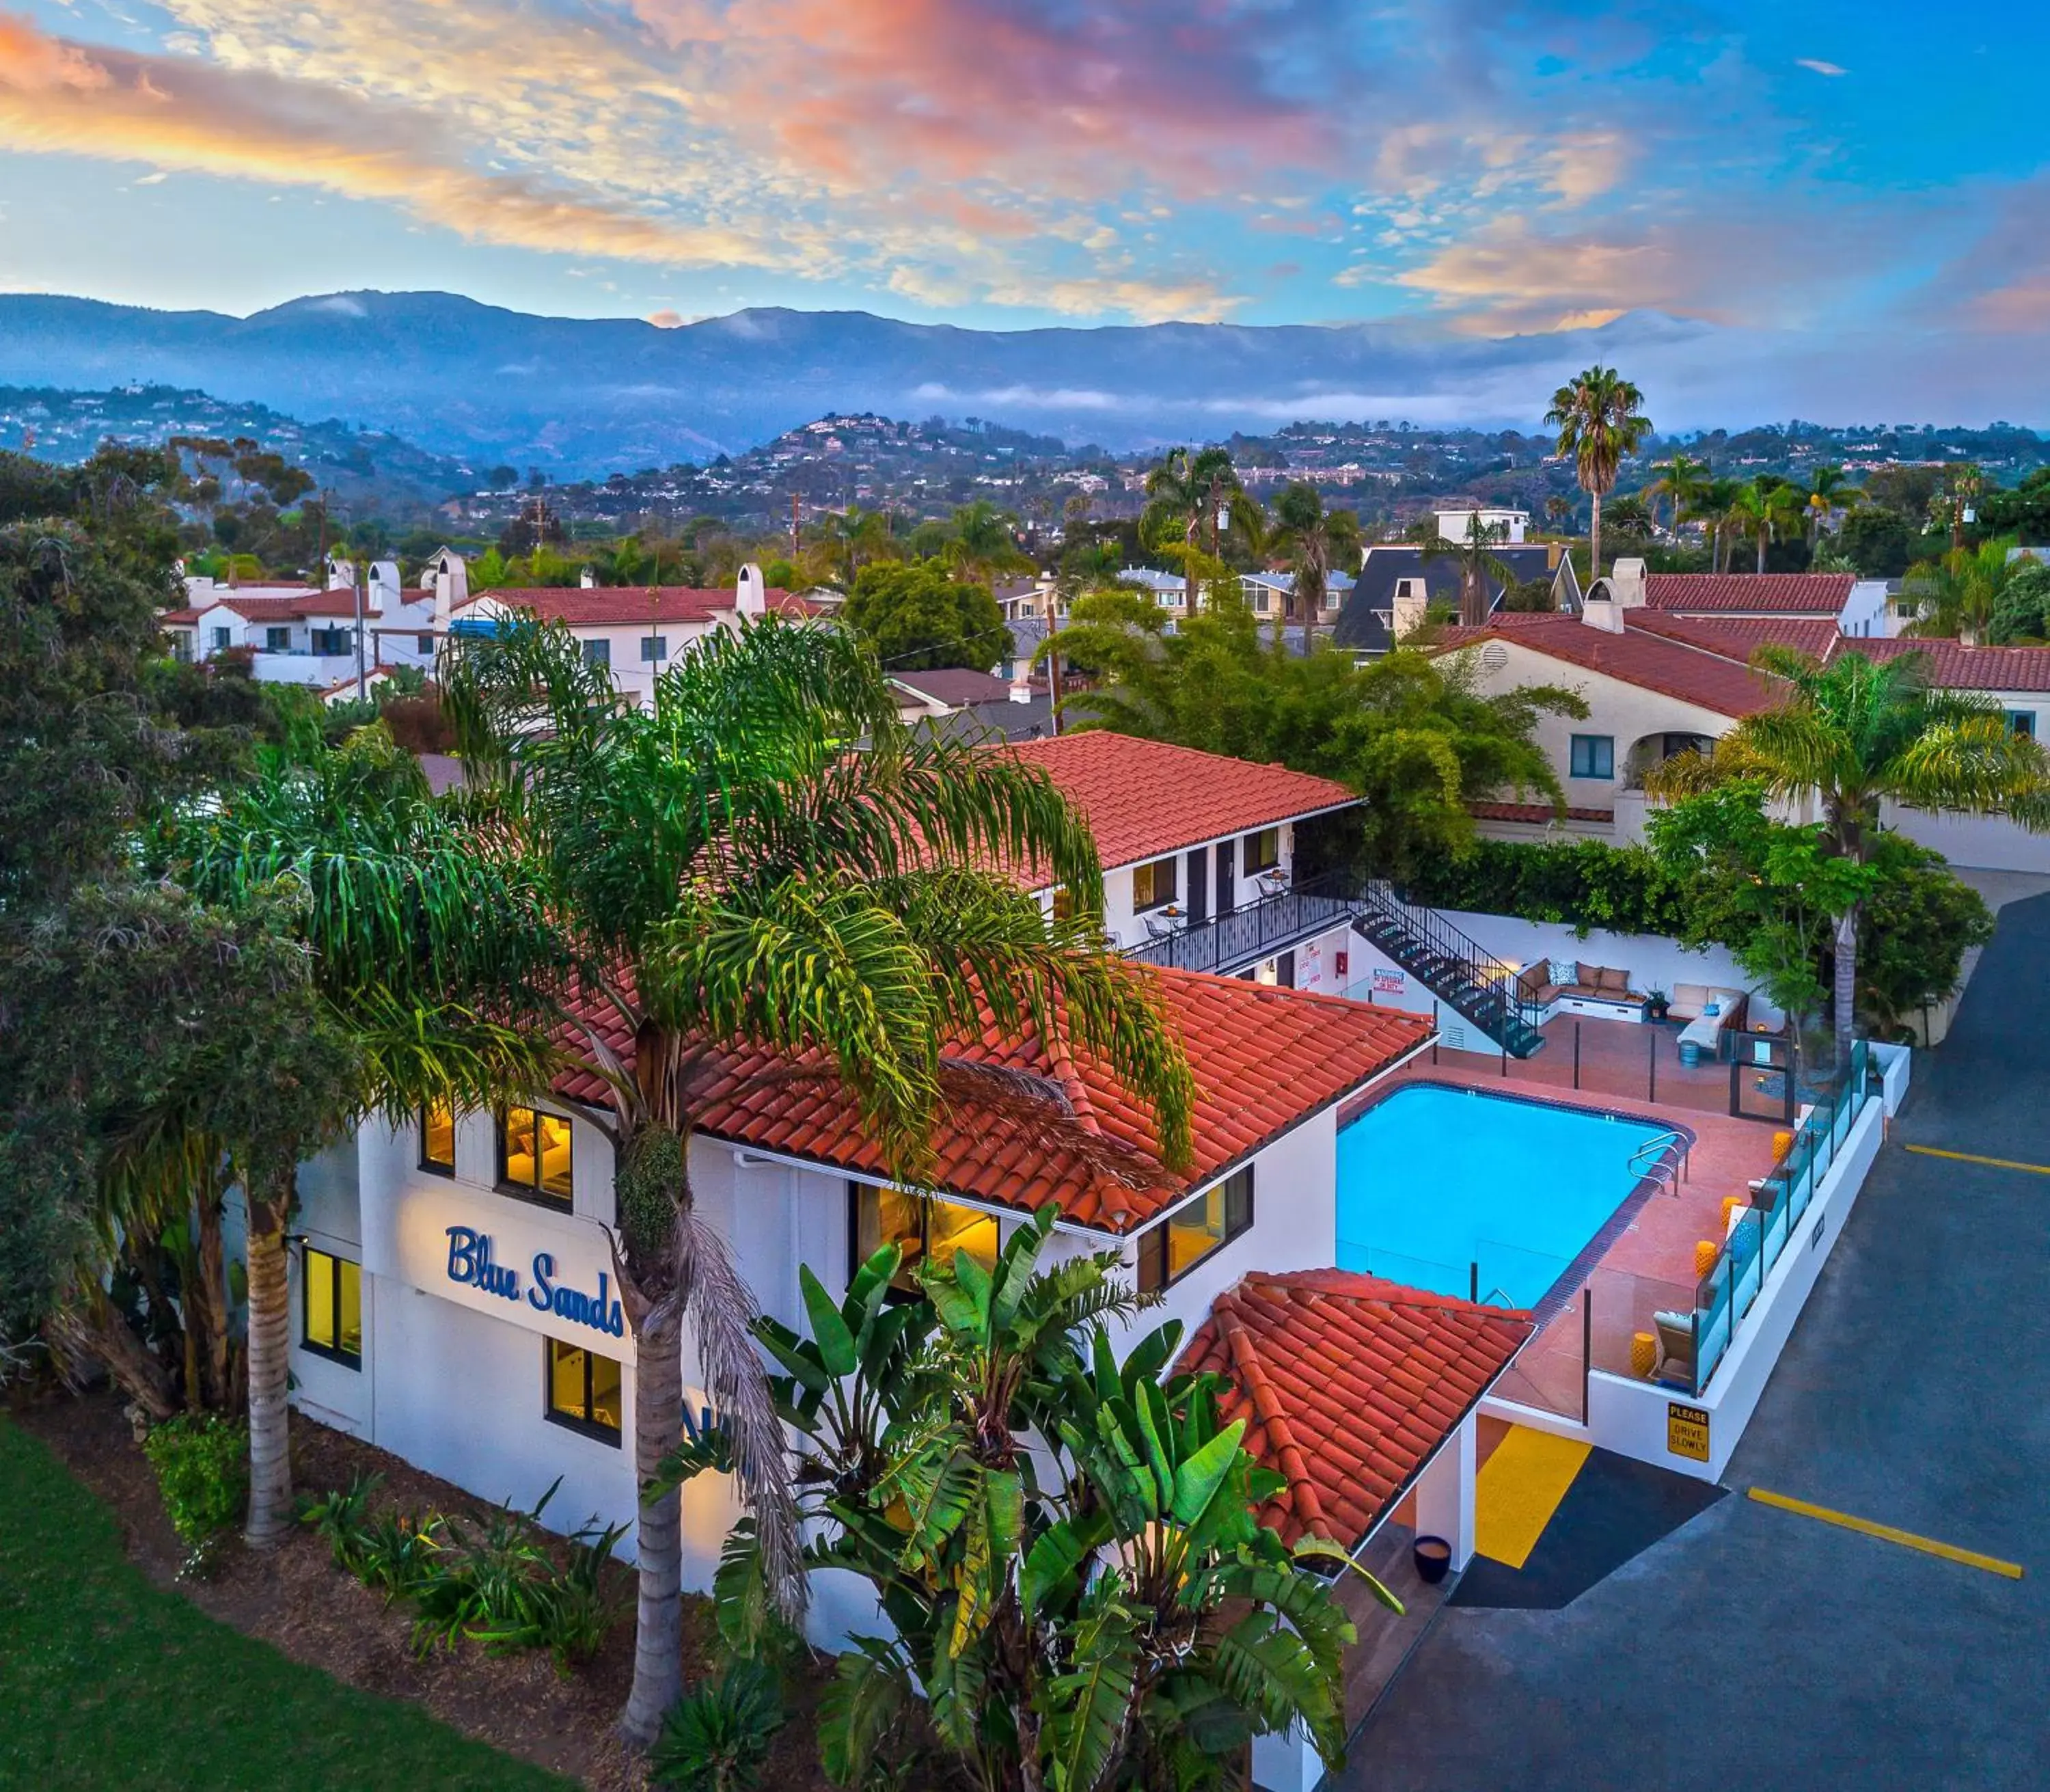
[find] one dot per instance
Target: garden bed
(297, 1601)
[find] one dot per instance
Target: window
(654, 648)
(277, 640)
(1262, 598)
(1180, 1241)
(220, 637)
(2022, 722)
(582, 1392)
(330, 641)
(333, 1290)
(1593, 756)
(1153, 886)
(534, 1155)
(1331, 597)
(438, 1139)
(424, 647)
(924, 1228)
(1262, 851)
(599, 652)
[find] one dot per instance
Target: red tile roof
(1957, 667)
(1348, 1385)
(1636, 657)
(1777, 594)
(337, 603)
(620, 606)
(1738, 637)
(1264, 1059)
(1143, 798)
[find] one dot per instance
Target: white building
(1456, 523)
(636, 632)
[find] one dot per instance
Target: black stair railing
(1452, 965)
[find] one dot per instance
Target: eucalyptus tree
(725, 872)
(1854, 735)
(1600, 423)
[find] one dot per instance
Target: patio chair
(1675, 1366)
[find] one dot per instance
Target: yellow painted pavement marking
(1907, 1540)
(1518, 1488)
(1973, 1157)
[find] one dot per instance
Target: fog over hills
(585, 396)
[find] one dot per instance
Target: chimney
(384, 586)
(1599, 608)
(1021, 687)
(750, 596)
(1412, 603)
(587, 580)
(1626, 583)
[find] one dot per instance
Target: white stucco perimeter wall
(1631, 1417)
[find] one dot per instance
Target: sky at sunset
(1848, 186)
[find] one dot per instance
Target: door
(1227, 884)
(1285, 970)
(1761, 1087)
(1197, 883)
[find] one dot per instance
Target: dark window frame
(1173, 863)
(277, 640)
(2021, 722)
(592, 1428)
(1600, 749)
(856, 1191)
(433, 1166)
(533, 1191)
(599, 652)
(333, 1352)
(1151, 1267)
(1250, 868)
(660, 645)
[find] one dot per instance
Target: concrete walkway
(1754, 1648)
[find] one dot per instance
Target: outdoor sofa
(1571, 987)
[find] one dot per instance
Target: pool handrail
(1661, 1171)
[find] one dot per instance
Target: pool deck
(1651, 1263)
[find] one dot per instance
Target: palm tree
(1683, 482)
(855, 536)
(1829, 489)
(984, 544)
(1310, 540)
(1474, 555)
(1185, 493)
(1558, 511)
(1955, 597)
(1858, 736)
(722, 872)
(1598, 419)
(387, 896)
(1762, 509)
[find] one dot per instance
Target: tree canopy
(917, 616)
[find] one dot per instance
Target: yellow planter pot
(1706, 1250)
(1643, 1353)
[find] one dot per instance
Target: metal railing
(1456, 967)
(1255, 930)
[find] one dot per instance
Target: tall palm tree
(1829, 489)
(1857, 735)
(1311, 539)
(856, 536)
(984, 543)
(722, 872)
(1762, 510)
(1474, 555)
(1598, 417)
(388, 897)
(1683, 483)
(1184, 493)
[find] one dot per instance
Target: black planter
(1434, 1560)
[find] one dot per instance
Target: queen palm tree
(1762, 510)
(1955, 596)
(1598, 416)
(1184, 493)
(1856, 735)
(1683, 483)
(984, 543)
(723, 873)
(1829, 489)
(1311, 539)
(855, 536)
(1475, 556)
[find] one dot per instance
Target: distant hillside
(584, 397)
(361, 466)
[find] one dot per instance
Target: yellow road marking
(1973, 1157)
(1518, 1488)
(1907, 1540)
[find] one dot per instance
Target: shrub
(393, 1552)
(202, 1466)
(340, 1520)
(716, 1737)
(1584, 883)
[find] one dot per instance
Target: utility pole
(362, 571)
(1053, 659)
(793, 528)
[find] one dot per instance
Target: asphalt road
(1756, 1649)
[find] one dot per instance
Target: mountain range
(578, 396)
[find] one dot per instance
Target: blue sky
(1846, 209)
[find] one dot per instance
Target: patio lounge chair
(1675, 1366)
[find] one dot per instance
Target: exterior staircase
(1451, 964)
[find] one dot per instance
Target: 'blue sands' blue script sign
(469, 1263)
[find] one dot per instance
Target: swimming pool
(1451, 1188)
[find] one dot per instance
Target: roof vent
(1494, 656)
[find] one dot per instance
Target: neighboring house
(1396, 585)
(1858, 606)
(1508, 527)
(1268, 594)
(923, 696)
(1169, 590)
(1658, 683)
(1021, 597)
(636, 632)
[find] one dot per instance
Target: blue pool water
(1433, 1180)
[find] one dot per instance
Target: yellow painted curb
(1518, 1488)
(1907, 1540)
(1973, 1157)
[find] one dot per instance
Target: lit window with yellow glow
(534, 1155)
(1169, 1251)
(333, 1289)
(583, 1391)
(438, 1139)
(923, 1227)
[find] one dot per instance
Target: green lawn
(106, 1680)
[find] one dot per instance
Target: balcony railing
(1255, 931)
